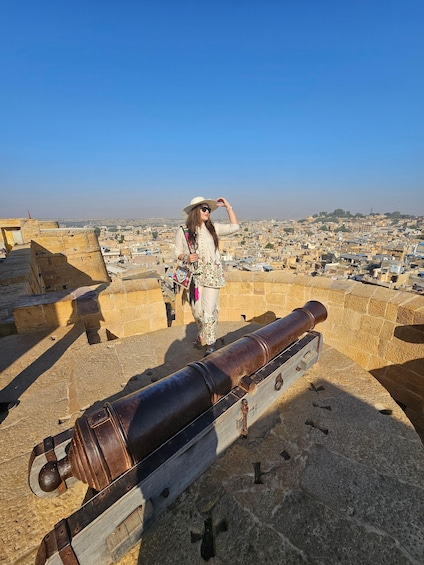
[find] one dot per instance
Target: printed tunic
(209, 272)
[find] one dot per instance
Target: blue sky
(129, 109)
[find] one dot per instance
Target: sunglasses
(205, 209)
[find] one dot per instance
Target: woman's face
(204, 212)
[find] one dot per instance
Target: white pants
(205, 313)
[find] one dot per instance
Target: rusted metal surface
(109, 442)
(244, 411)
(51, 449)
(57, 542)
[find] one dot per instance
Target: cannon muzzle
(108, 442)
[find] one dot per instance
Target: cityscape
(381, 249)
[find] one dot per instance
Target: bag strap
(187, 238)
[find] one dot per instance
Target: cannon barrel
(108, 442)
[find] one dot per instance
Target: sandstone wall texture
(115, 310)
(68, 259)
(380, 329)
(60, 278)
(17, 231)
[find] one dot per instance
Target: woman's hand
(193, 257)
(223, 202)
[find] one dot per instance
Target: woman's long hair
(193, 222)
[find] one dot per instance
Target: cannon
(141, 451)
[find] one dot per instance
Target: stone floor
(342, 468)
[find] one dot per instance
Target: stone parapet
(362, 318)
(120, 309)
(16, 279)
(380, 329)
(16, 231)
(68, 258)
(132, 307)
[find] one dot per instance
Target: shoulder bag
(182, 274)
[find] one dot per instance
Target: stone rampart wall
(21, 230)
(133, 307)
(68, 258)
(380, 329)
(120, 309)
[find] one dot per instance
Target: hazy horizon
(221, 217)
(218, 215)
(129, 110)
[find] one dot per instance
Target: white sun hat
(197, 201)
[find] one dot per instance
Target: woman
(198, 246)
